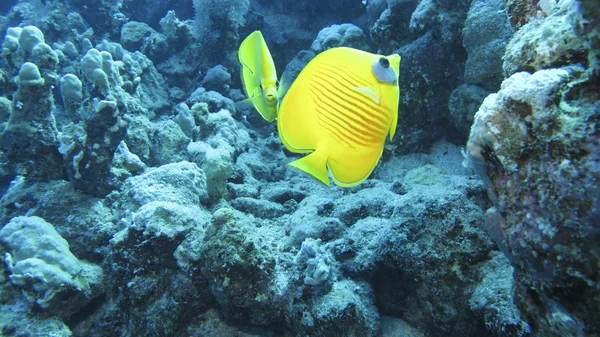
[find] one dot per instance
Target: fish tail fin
(315, 165)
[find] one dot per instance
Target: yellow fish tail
(315, 165)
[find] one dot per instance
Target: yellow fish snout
(270, 93)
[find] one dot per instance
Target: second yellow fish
(259, 76)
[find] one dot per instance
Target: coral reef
(347, 35)
(30, 135)
(428, 36)
(463, 103)
(540, 156)
(217, 78)
(536, 145)
(239, 270)
(390, 30)
(137, 199)
(485, 36)
(494, 299)
(88, 226)
(551, 42)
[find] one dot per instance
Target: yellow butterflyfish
(340, 109)
(259, 76)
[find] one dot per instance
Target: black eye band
(384, 62)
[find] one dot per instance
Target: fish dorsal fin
(250, 55)
(369, 92)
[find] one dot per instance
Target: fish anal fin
(353, 169)
(315, 165)
(369, 92)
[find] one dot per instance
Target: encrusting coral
(535, 144)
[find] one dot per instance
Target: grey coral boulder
(258, 207)
(42, 266)
(493, 299)
(344, 35)
(134, 33)
(240, 269)
(182, 183)
(485, 36)
(463, 103)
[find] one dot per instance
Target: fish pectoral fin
(267, 113)
(256, 102)
(284, 86)
(248, 103)
(315, 165)
(369, 92)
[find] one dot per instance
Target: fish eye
(383, 72)
(384, 62)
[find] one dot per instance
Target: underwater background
(139, 200)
